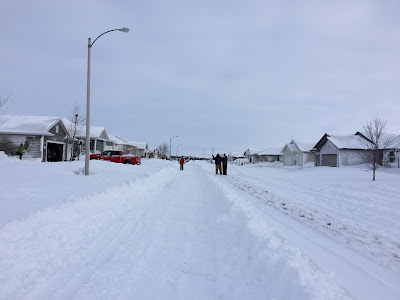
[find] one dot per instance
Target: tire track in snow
(194, 246)
(378, 282)
(316, 282)
(318, 217)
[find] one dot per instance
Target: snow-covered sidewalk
(161, 233)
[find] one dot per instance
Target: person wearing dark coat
(224, 160)
(20, 150)
(217, 163)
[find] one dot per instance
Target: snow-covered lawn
(154, 232)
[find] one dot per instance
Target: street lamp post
(87, 146)
(177, 147)
(170, 139)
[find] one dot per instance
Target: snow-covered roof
(351, 141)
(81, 130)
(122, 141)
(117, 140)
(140, 145)
(271, 151)
(395, 144)
(291, 147)
(95, 132)
(251, 151)
(37, 125)
(264, 151)
(304, 146)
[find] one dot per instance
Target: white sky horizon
(227, 75)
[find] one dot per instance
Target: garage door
(329, 160)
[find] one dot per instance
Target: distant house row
(330, 150)
(52, 139)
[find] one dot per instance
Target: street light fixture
(177, 150)
(170, 145)
(87, 146)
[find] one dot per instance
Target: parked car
(117, 156)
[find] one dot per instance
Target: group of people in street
(220, 160)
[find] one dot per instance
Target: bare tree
(163, 150)
(377, 140)
(3, 108)
(76, 126)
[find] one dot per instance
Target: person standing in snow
(224, 160)
(217, 163)
(181, 162)
(20, 150)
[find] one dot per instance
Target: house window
(391, 157)
(57, 129)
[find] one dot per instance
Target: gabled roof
(352, 141)
(251, 151)
(117, 140)
(295, 146)
(291, 147)
(69, 125)
(95, 132)
(395, 143)
(271, 151)
(35, 125)
(140, 145)
(264, 151)
(304, 146)
(122, 141)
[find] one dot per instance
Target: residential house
(298, 153)
(99, 139)
(42, 137)
(255, 155)
(391, 153)
(232, 156)
(340, 150)
(135, 148)
(142, 149)
(271, 155)
(123, 144)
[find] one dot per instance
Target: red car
(117, 156)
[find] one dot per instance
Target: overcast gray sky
(223, 74)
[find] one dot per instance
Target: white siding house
(99, 139)
(123, 145)
(339, 150)
(42, 137)
(297, 153)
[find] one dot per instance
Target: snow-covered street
(154, 232)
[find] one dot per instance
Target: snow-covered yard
(154, 232)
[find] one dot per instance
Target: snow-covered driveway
(177, 235)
